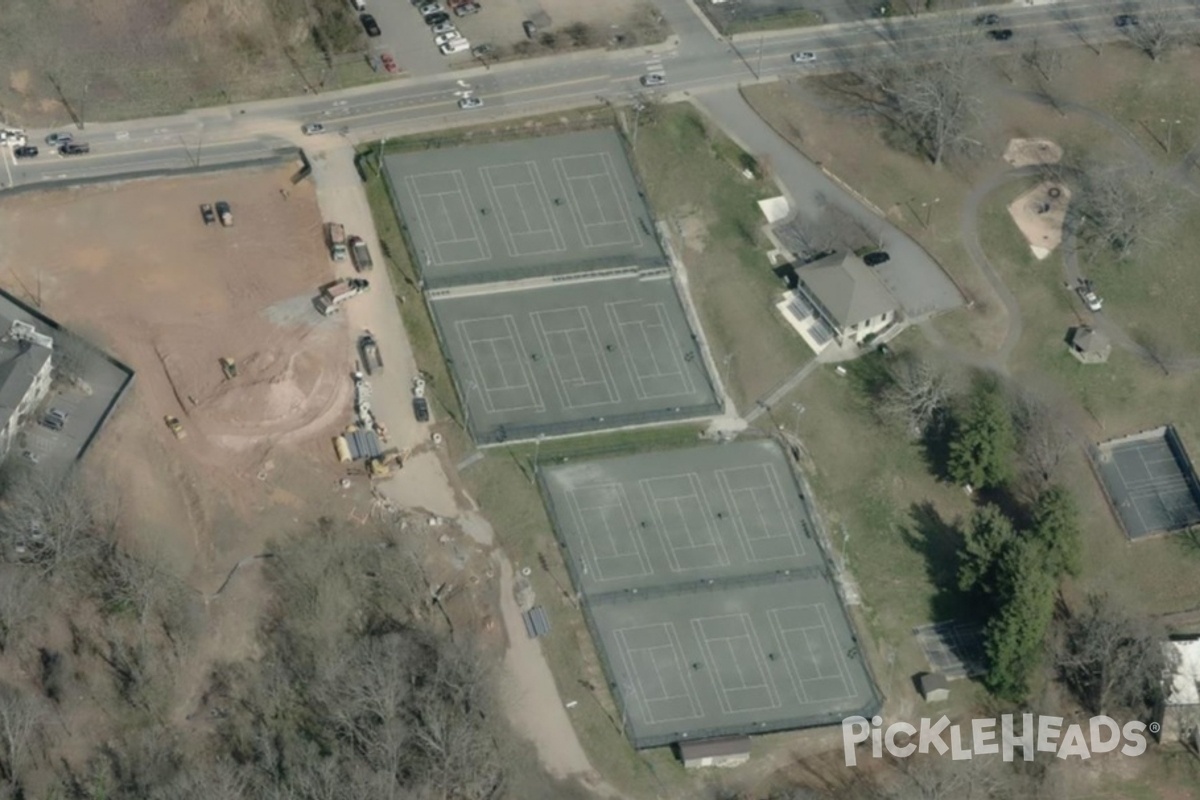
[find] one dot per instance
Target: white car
(804, 58)
(447, 38)
(445, 27)
(313, 128)
(13, 138)
(455, 46)
(1090, 299)
(470, 102)
(654, 79)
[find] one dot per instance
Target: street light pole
(1170, 131)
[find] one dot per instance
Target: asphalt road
(693, 60)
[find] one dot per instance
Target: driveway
(912, 276)
(421, 483)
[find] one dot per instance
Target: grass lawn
(800, 18)
(693, 179)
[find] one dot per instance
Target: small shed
(728, 751)
(1088, 345)
(933, 686)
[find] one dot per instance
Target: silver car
(804, 58)
(470, 102)
(654, 79)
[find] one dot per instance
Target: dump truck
(360, 254)
(370, 353)
(335, 234)
(335, 293)
(225, 213)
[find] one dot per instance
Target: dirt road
(421, 483)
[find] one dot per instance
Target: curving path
(969, 219)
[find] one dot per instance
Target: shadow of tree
(939, 540)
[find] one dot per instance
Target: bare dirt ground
(1039, 214)
(133, 267)
(1025, 152)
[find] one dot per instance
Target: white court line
(825, 631)
(568, 180)
(663, 327)
(509, 232)
(467, 207)
(677, 660)
(751, 645)
(588, 534)
(512, 335)
(563, 385)
(786, 526)
(672, 550)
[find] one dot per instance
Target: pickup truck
(360, 254)
(335, 233)
(370, 353)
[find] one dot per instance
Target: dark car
(529, 28)
(1001, 35)
(437, 19)
(74, 149)
(987, 19)
(876, 258)
(370, 25)
(421, 409)
(1125, 20)
(28, 151)
(207, 213)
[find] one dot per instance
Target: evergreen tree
(987, 535)
(1016, 634)
(1056, 528)
(983, 442)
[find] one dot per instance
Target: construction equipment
(360, 254)
(335, 236)
(370, 353)
(334, 293)
(229, 367)
(176, 426)
(225, 213)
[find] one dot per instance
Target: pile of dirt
(1024, 152)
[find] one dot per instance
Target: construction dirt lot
(134, 268)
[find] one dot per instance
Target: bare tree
(50, 523)
(1112, 659)
(1123, 207)
(931, 97)
(1043, 436)
(917, 393)
(19, 596)
(833, 229)
(20, 716)
(1156, 28)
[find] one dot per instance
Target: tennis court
(572, 356)
(713, 606)
(1150, 482)
(535, 207)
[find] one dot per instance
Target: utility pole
(1170, 131)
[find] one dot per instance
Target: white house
(838, 299)
(25, 364)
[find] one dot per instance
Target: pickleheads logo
(989, 737)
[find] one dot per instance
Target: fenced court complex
(707, 592)
(572, 357)
(553, 302)
(535, 207)
(1149, 481)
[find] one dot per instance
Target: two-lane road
(696, 62)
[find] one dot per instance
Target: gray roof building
(24, 376)
(848, 291)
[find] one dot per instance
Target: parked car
(470, 102)
(207, 214)
(28, 151)
(313, 128)
(437, 19)
(53, 423)
(529, 28)
(389, 63)
(431, 8)
(463, 9)
(1089, 296)
(13, 138)
(1002, 35)
(445, 27)
(987, 19)
(803, 58)
(358, 5)
(56, 139)
(30, 456)
(654, 79)
(74, 149)
(370, 25)
(447, 38)
(456, 46)
(421, 409)
(1125, 20)
(876, 258)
